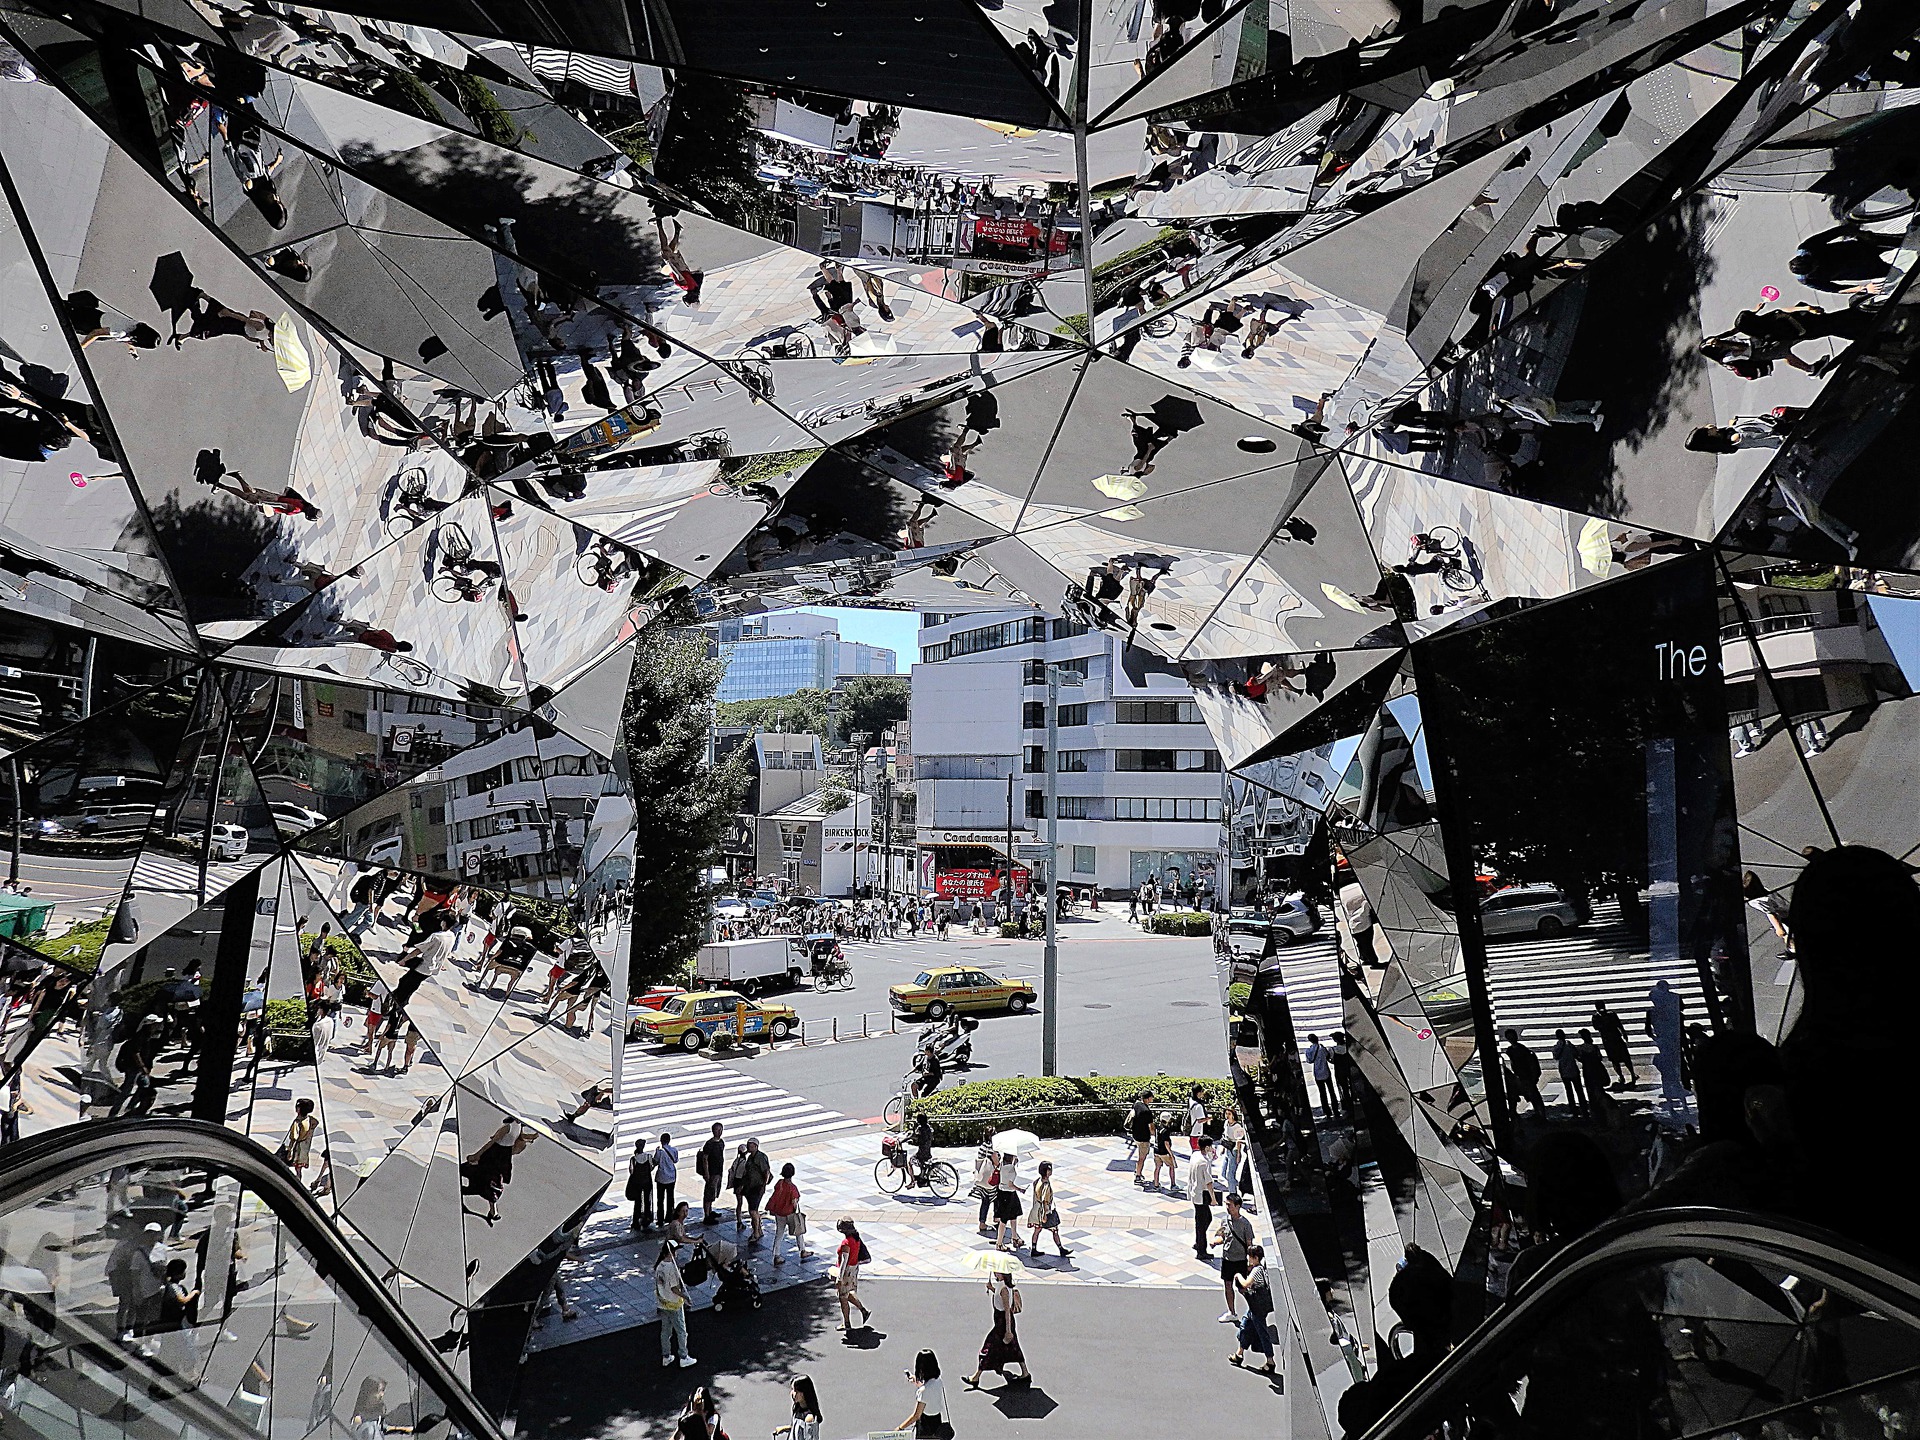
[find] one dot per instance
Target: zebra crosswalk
(685, 1095)
(168, 874)
(1536, 986)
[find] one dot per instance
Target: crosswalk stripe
(685, 1096)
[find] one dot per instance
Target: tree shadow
(210, 545)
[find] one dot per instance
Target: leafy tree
(707, 148)
(871, 704)
(683, 808)
(804, 712)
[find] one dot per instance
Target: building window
(1166, 761)
(1083, 859)
(932, 654)
(1077, 807)
(1074, 760)
(800, 760)
(1036, 804)
(963, 767)
(1156, 712)
(1067, 629)
(1163, 807)
(354, 719)
(1035, 671)
(793, 839)
(995, 637)
(1036, 761)
(774, 760)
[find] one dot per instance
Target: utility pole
(1050, 955)
(1012, 775)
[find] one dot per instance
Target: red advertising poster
(975, 884)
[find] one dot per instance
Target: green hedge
(1238, 994)
(356, 974)
(79, 947)
(1180, 922)
(1057, 1106)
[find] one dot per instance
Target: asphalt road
(1084, 1385)
(1129, 1004)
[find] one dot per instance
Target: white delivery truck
(750, 966)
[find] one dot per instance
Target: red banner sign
(976, 884)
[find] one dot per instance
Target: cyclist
(927, 1075)
(921, 1137)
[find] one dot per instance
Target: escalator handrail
(1631, 1242)
(33, 1167)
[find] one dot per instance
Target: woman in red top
(851, 1255)
(784, 1207)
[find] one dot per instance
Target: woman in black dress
(1001, 1348)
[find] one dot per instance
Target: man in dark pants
(1320, 1057)
(1200, 1191)
(1566, 1056)
(1523, 1076)
(710, 1164)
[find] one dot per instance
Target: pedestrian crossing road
(685, 1095)
(1537, 986)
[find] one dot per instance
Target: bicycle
(410, 506)
(897, 1169)
(895, 1110)
(835, 975)
(1447, 547)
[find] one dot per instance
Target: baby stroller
(738, 1289)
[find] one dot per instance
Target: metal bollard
(863, 1024)
(836, 1027)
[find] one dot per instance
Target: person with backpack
(1257, 1286)
(640, 1185)
(709, 1163)
(1523, 1076)
(848, 1259)
(666, 1174)
(986, 1178)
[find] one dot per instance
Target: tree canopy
(871, 704)
(804, 712)
(683, 808)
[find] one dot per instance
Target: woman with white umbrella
(1006, 1200)
(1001, 1348)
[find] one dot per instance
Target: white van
(750, 966)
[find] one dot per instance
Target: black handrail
(33, 1167)
(1632, 1242)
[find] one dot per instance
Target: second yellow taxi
(945, 988)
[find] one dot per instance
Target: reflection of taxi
(654, 998)
(689, 1020)
(958, 987)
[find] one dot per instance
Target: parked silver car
(1542, 910)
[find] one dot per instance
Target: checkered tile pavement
(1120, 1233)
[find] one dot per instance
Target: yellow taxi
(690, 1020)
(958, 987)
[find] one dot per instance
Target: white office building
(1140, 784)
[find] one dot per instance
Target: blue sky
(895, 629)
(1900, 623)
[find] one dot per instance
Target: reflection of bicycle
(897, 1169)
(1160, 326)
(1446, 547)
(460, 576)
(789, 343)
(409, 670)
(602, 567)
(411, 505)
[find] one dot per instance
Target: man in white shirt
(1200, 1190)
(423, 959)
(1358, 913)
(670, 1299)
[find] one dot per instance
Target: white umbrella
(1000, 1260)
(1018, 1143)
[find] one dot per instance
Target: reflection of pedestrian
(1523, 1075)
(1613, 1036)
(298, 1146)
(1358, 913)
(1548, 410)
(1663, 1024)
(684, 275)
(1320, 1057)
(489, 1170)
(1566, 1058)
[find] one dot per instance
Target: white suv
(1542, 910)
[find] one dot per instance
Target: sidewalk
(1121, 1234)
